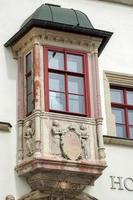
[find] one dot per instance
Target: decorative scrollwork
(70, 142)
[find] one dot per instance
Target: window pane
(57, 101)
(120, 130)
(75, 85)
(74, 63)
(55, 60)
(119, 115)
(116, 95)
(29, 103)
(76, 104)
(131, 132)
(130, 97)
(28, 63)
(130, 117)
(29, 84)
(56, 82)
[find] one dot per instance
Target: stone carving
(49, 196)
(71, 143)
(84, 140)
(57, 132)
(28, 135)
(10, 197)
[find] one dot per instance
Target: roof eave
(105, 35)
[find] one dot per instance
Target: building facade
(66, 122)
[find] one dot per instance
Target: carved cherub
(84, 138)
(28, 135)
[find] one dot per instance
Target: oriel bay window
(67, 77)
(122, 108)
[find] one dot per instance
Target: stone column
(37, 96)
(21, 106)
(20, 142)
(95, 84)
(101, 149)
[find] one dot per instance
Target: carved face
(28, 124)
(55, 123)
(83, 127)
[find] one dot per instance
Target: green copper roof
(56, 14)
(54, 17)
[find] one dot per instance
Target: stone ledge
(117, 140)
(68, 177)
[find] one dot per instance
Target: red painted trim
(59, 49)
(86, 85)
(66, 73)
(27, 75)
(46, 80)
(21, 110)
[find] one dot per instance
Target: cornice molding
(119, 79)
(57, 38)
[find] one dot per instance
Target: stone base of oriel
(41, 195)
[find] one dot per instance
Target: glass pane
(75, 63)
(120, 130)
(28, 63)
(56, 82)
(29, 84)
(55, 60)
(75, 85)
(116, 95)
(130, 97)
(119, 115)
(130, 117)
(29, 103)
(57, 101)
(131, 132)
(76, 104)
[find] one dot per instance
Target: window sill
(117, 140)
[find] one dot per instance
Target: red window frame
(28, 75)
(125, 106)
(65, 72)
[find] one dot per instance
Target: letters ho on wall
(121, 183)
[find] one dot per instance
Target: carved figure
(84, 139)
(28, 135)
(57, 132)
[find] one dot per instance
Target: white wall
(117, 56)
(120, 164)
